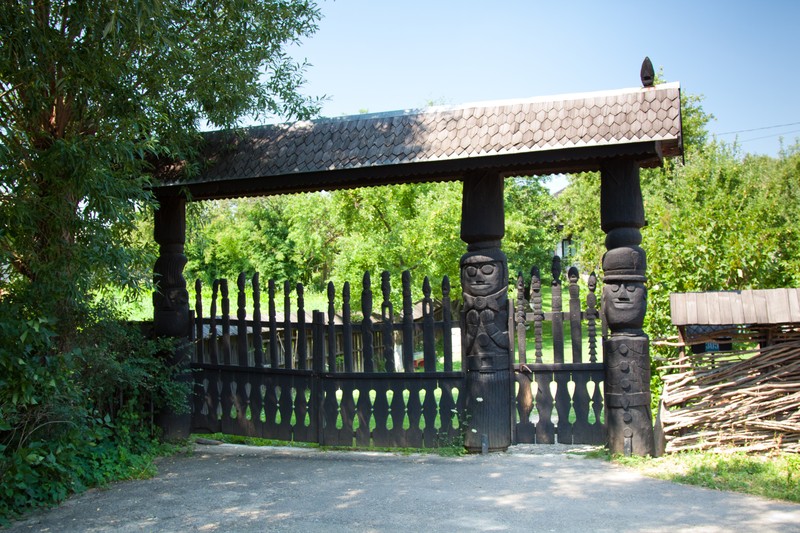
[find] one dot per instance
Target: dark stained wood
(447, 325)
(428, 333)
(576, 331)
(288, 355)
(538, 313)
(545, 430)
(408, 324)
(212, 334)
(241, 322)
(519, 320)
(258, 344)
(347, 328)
(273, 326)
(302, 345)
(198, 324)
(226, 322)
(387, 322)
(558, 321)
(563, 407)
(591, 317)
(331, 327)
(366, 325)
(429, 412)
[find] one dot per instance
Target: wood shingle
(538, 135)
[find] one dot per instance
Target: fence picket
(347, 329)
(408, 324)
(258, 346)
(288, 355)
(591, 317)
(387, 319)
(447, 326)
(366, 325)
(302, 348)
(331, 327)
(428, 333)
(273, 326)
(241, 322)
(226, 322)
(199, 356)
(575, 326)
(538, 314)
(212, 334)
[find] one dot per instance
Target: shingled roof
(568, 133)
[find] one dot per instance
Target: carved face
(625, 303)
(480, 277)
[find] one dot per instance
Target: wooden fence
(357, 379)
(294, 379)
(573, 389)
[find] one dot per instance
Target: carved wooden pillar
(484, 322)
(171, 299)
(626, 350)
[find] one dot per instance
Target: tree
(91, 94)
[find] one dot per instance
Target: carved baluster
(447, 326)
(408, 324)
(387, 320)
(538, 313)
(347, 329)
(591, 317)
(366, 324)
(241, 323)
(428, 333)
(519, 320)
(258, 346)
(575, 329)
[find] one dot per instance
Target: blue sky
(743, 57)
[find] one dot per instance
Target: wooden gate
(327, 378)
(555, 400)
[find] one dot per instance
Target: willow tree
(91, 93)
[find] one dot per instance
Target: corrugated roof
(747, 307)
(513, 134)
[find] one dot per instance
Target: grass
(775, 475)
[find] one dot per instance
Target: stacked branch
(748, 399)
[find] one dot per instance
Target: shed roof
(747, 307)
(567, 133)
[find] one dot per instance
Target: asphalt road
(241, 488)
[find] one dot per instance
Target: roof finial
(647, 73)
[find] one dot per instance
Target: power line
(759, 129)
(768, 136)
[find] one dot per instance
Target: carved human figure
(484, 282)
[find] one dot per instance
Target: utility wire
(768, 136)
(759, 129)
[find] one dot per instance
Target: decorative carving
(626, 350)
(484, 276)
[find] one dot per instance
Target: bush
(78, 419)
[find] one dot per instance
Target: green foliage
(317, 237)
(93, 93)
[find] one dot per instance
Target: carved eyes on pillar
(486, 270)
(615, 287)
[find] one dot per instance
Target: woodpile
(748, 399)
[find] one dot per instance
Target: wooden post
(485, 342)
(171, 300)
(626, 350)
